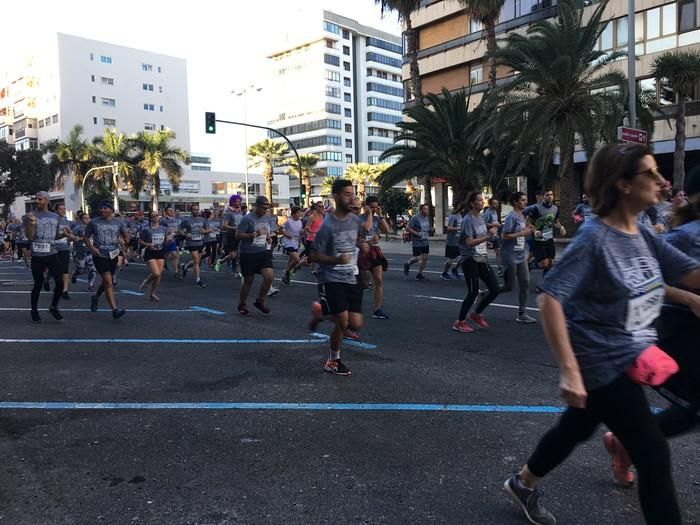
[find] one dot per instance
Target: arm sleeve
(322, 240)
(673, 262)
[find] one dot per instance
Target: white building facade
(338, 94)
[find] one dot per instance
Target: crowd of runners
(632, 269)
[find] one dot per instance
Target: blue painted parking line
(193, 309)
(156, 341)
(363, 407)
(207, 310)
(346, 341)
(131, 292)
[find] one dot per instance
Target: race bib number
(424, 235)
(519, 244)
(260, 240)
(41, 247)
(196, 236)
(113, 253)
(295, 242)
(642, 310)
(547, 234)
(158, 240)
(481, 249)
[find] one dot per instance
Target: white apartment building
(337, 93)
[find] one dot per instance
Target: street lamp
(244, 93)
(115, 168)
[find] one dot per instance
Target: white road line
(453, 300)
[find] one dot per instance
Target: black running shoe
(93, 303)
(65, 295)
(74, 278)
(183, 270)
(47, 288)
(53, 310)
(336, 367)
(261, 306)
(421, 277)
(119, 312)
(200, 284)
(35, 317)
(406, 269)
(529, 501)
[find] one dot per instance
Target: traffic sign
(637, 136)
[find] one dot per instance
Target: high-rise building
(337, 93)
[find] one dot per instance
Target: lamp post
(631, 66)
(115, 167)
(244, 93)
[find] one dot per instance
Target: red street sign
(636, 136)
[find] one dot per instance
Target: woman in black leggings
(472, 246)
(598, 307)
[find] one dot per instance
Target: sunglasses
(651, 172)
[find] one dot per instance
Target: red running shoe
(620, 460)
(349, 334)
(462, 326)
(479, 319)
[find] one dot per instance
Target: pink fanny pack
(653, 367)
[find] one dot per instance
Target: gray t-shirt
(420, 224)
(155, 236)
(45, 232)
(233, 218)
(194, 226)
(252, 223)
(105, 235)
(584, 210)
(472, 227)
(333, 239)
(454, 221)
(215, 227)
(371, 235)
(687, 239)
(62, 244)
(611, 287)
(513, 251)
(78, 231)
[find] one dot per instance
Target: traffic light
(302, 194)
(210, 121)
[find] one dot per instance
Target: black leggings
(473, 271)
(54, 266)
(624, 408)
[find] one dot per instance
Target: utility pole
(631, 66)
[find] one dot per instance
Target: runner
(475, 266)
(371, 261)
(545, 218)
(82, 257)
(42, 228)
(598, 306)
(452, 258)
(419, 228)
(22, 243)
(154, 237)
(104, 236)
(291, 233)
(583, 211)
(172, 224)
(272, 242)
(340, 295)
(313, 224)
(194, 229)
(213, 238)
(493, 219)
(515, 230)
(253, 232)
(232, 219)
(63, 248)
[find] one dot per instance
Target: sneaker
(285, 279)
(406, 269)
(73, 278)
(272, 291)
(524, 318)
(47, 287)
(238, 275)
(91, 287)
(421, 277)
(183, 270)
(351, 334)
(620, 460)
(93, 303)
(153, 299)
(53, 310)
(200, 284)
(455, 274)
(530, 501)
(119, 312)
(243, 309)
(479, 319)
(445, 276)
(379, 314)
(65, 295)
(261, 306)
(217, 266)
(462, 326)
(316, 315)
(35, 317)
(337, 367)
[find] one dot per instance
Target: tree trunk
(155, 190)
(269, 176)
(411, 36)
(428, 197)
(567, 197)
(679, 152)
(491, 45)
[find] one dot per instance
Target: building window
(159, 69)
(94, 99)
(331, 59)
(48, 121)
(382, 59)
(333, 108)
(348, 143)
(41, 123)
(383, 117)
(346, 50)
(107, 81)
(146, 67)
(161, 109)
(383, 44)
(331, 155)
(332, 140)
(149, 126)
(92, 56)
(686, 15)
(92, 77)
(162, 127)
(94, 120)
(348, 112)
(332, 92)
(346, 81)
(383, 103)
(109, 122)
(331, 27)
(147, 87)
(149, 107)
(348, 158)
(653, 23)
(395, 78)
(331, 44)
(333, 76)
(347, 97)
(346, 66)
(160, 89)
(334, 171)
(387, 90)
(373, 159)
(346, 34)
(475, 26)
(378, 146)
(109, 102)
(668, 19)
(105, 59)
(621, 32)
(348, 128)
(476, 73)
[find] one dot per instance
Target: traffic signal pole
(211, 116)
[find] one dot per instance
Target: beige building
(452, 48)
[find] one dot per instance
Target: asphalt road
(210, 418)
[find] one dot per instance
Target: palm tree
(267, 153)
(558, 91)
(155, 152)
(682, 70)
(308, 163)
(486, 12)
(114, 146)
(327, 186)
(438, 141)
(363, 175)
(69, 159)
